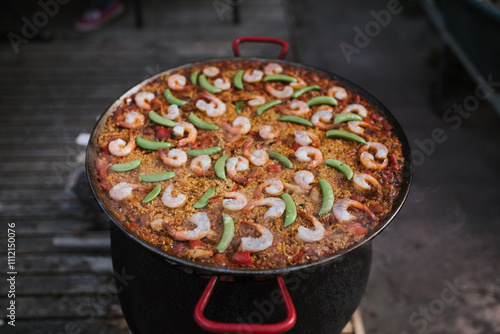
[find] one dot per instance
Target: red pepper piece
(242, 259)
(163, 132)
(196, 244)
(273, 168)
(296, 146)
(222, 258)
(298, 256)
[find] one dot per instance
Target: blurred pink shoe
(94, 19)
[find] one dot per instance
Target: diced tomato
(222, 258)
(357, 98)
(155, 105)
(273, 168)
(254, 134)
(163, 132)
(375, 208)
(296, 146)
(377, 117)
(393, 161)
(242, 259)
(368, 120)
(134, 226)
(386, 125)
(105, 148)
(178, 249)
(358, 198)
(195, 244)
(387, 176)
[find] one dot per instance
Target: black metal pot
(165, 290)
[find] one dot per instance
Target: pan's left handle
(259, 39)
(220, 327)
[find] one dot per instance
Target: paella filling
(243, 163)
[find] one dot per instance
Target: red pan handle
(274, 40)
(220, 327)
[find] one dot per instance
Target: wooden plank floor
(51, 92)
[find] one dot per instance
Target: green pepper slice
(346, 117)
(238, 79)
(328, 196)
(322, 100)
(151, 145)
(201, 124)
(207, 151)
(194, 77)
(207, 85)
(290, 209)
(341, 167)
(281, 158)
(152, 194)
(160, 120)
(172, 99)
(157, 177)
(239, 105)
(295, 119)
(227, 235)
(304, 90)
(280, 77)
(203, 201)
(265, 106)
(345, 135)
(125, 167)
(220, 167)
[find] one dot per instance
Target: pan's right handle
(220, 327)
(260, 39)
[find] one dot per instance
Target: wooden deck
(50, 93)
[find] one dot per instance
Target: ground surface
(435, 269)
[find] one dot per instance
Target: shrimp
(253, 76)
(175, 157)
(357, 127)
(267, 132)
(120, 148)
(172, 202)
(307, 235)
(241, 125)
(304, 179)
(257, 157)
(211, 71)
(297, 108)
(367, 158)
(172, 112)
(303, 153)
(237, 164)
(277, 207)
(285, 93)
(362, 182)
(299, 84)
(273, 68)
(176, 82)
(342, 215)
(202, 228)
(256, 101)
(180, 128)
(273, 187)
(142, 99)
(222, 83)
(337, 92)
(306, 137)
(201, 165)
(356, 108)
(123, 190)
(133, 120)
(214, 108)
(322, 116)
(249, 244)
(233, 200)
